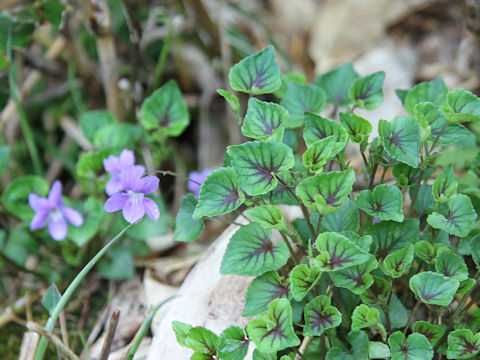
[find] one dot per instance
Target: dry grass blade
(112, 326)
(55, 340)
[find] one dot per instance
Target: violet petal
(38, 203)
(133, 210)
(148, 184)
(130, 177)
(57, 227)
(114, 185)
(116, 202)
(112, 165)
(127, 158)
(72, 216)
(151, 208)
(39, 220)
(55, 195)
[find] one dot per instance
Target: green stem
(323, 345)
(42, 345)
(338, 302)
(414, 310)
(24, 124)
(319, 224)
(292, 253)
(145, 327)
(372, 176)
(162, 58)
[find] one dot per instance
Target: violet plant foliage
(347, 279)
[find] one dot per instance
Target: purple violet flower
(114, 165)
(196, 180)
(376, 220)
(132, 201)
(51, 210)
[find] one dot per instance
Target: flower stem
(42, 345)
(414, 310)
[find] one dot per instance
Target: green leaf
(258, 355)
(430, 91)
(424, 203)
(432, 119)
(465, 286)
(320, 315)
(181, 331)
(401, 95)
(400, 139)
(91, 121)
(358, 341)
(475, 249)
(92, 213)
(398, 262)
(318, 153)
(366, 92)
(336, 83)
(415, 347)
(378, 350)
(264, 121)
(357, 127)
(21, 31)
(445, 185)
(398, 313)
(433, 288)
(384, 202)
(250, 252)
(262, 291)
(408, 176)
(303, 279)
(462, 106)
(390, 236)
(202, 340)
(451, 265)
(220, 194)
(117, 136)
(345, 219)
(257, 163)
(355, 278)
(15, 196)
(4, 157)
(462, 344)
(50, 11)
(118, 264)
(364, 316)
(301, 98)
(165, 111)
(232, 101)
(325, 193)
(378, 292)
(233, 344)
(287, 79)
(318, 128)
(461, 216)
(51, 298)
(432, 332)
(90, 164)
(426, 251)
(267, 216)
(338, 252)
(274, 331)
(19, 246)
(256, 74)
(187, 229)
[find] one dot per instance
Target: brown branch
(55, 340)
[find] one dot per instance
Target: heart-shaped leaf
(433, 288)
(250, 252)
(301, 98)
(91, 121)
(357, 127)
(325, 193)
(15, 196)
(264, 121)
(164, 110)
(187, 229)
(262, 291)
(432, 332)
(232, 101)
(378, 350)
(336, 83)
(257, 162)
(358, 341)
(338, 252)
(258, 355)
(462, 344)
(451, 265)
(432, 119)
(415, 347)
(430, 91)
(320, 315)
(256, 74)
(233, 344)
(93, 213)
(364, 316)
(426, 251)
(274, 331)
(345, 219)
(390, 236)
(181, 331)
(318, 153)
(465, 286)
(203, 341)
(268, 216)
(287, 79)
(398, 262)
(318, 128)
(400, 139)
(470, 320)
(303, 279)
(460, 218)
(220, 194)
(355, 278)
(462, 106)
(445, 185)
(378, 292)
(51, 298)
(384, 202)
(366, 92)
